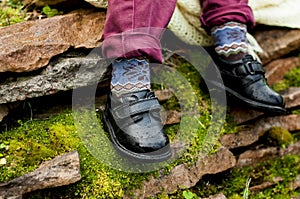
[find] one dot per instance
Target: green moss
(292, 78)
(35, 141)
(189, 195)
(11, 12)
(230, 126)
(280, 136)
(297, 112)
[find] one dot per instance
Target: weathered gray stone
(64, 73)
(30, 45)
(277, 43)
(184, 176)
(253, 132)
(276, 70)
(62, 170)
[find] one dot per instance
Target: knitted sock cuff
(130, 75)
(230, 38)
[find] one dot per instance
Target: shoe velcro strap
(249, 68)
(140, 106)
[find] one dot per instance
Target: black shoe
(245, 82)
(134, 123)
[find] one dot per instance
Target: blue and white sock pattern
(230, 39)
(130, 75)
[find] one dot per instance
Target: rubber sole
(157, 156)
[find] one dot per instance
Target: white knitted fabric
(187, 31)
(185, 23)
(277, 12)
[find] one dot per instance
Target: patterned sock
(130, 75)
(230, 40)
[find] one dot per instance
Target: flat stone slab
(252, 157)
(30, 45)
(257, 129)
(292, 97)
(276, 69)
(277, 42)
(62, 74)
(62, 170)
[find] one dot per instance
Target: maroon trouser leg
(217, 12)
(133, 27)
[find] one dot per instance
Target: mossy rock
(279, 135)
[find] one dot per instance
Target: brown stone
(163, 95)
(252, 157)
(265, 185)
(276, 70)
(62, 170)
(251, 135)
(173, 117)
(30, 45)
(184, 176)
(239, 139)
(241, 115)
(292, 97)
(277, 42)
(42, 2)
(293, 149)
(289, 122)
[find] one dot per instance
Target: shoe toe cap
(263, 93)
